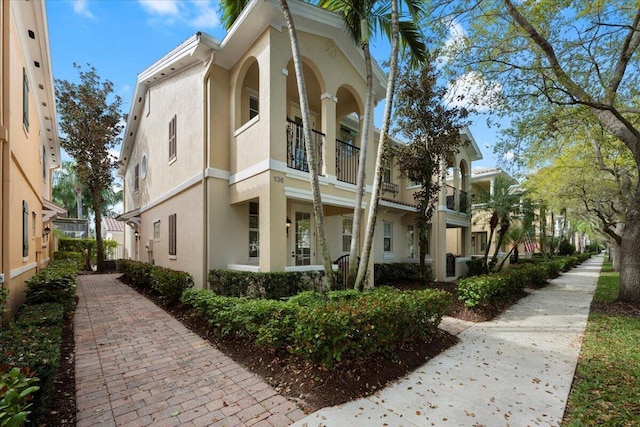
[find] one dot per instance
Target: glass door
(303, 238)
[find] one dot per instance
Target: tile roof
(112, 224)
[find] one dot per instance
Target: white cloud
(81, 7)
(198, 14)
(473, 91)
(455, 42)
(509, 155)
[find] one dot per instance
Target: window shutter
(25, 229)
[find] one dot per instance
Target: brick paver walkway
(137, 366)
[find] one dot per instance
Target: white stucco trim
(20, 270)
(300, 194)
(196, 179)
(461, 222)
(317, 267)
(397, 206)
(217, 173)
(244, 267)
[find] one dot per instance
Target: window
(254, 106)
(156, 230)
(136, 178)
(143, 167)
(44, 163)
(172, 234)
(25, 99)
(25, 229)
(387, 172)
(33, 224)
(347, 226)
(388, 237)
(411, 248)
(254, 232)
(172, 138)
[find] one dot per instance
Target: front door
(303, 249)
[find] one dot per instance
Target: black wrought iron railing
(296, 147)
(347, 161)
(390, 187)
(451, 197)
(463, 203)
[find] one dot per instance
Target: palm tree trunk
(360, 182)
(382, 148)
(329, 279)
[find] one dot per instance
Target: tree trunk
(486, 250)
(614, 254)
(382, 147)
(629, 256)
(97, 204)
(329, 278)
(360, 182)
(423, 255)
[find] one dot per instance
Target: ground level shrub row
(31, 344)
(170, 284)
(326, 328)
(484, 290)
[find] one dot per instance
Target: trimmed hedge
(170, 284)
(275, 285)
(56, 283)
(326, 328)
(484, 290)
(392, 272)
(33, 343)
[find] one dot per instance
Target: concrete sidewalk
(138, 366)
(516, 370)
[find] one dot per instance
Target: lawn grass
(606, 391)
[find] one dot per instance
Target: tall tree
(91, 124)
(383, 144)
(231, 11)
(433, 131)
(66, 186)
(363, 19)
(572, 54)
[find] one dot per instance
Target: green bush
(475, 267)
(326, 328)
(380, 320)
(170, 283)
(137, 273)
(86, 247)
(274, 285)
(392, 272)
(566, 248)
(16, 389)
(4, 297)
(482, 290)
(56, 283)
(37, 348)
(47, 314)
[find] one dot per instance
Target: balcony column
(329, 102)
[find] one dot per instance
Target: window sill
(173, 257)
(389, 255)
(173, 160)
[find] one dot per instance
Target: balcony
(461, 196)
(296, 147)
(389, 187)
(347, 161)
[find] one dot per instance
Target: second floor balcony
(296, 147)
(347, 161)
(457, 200)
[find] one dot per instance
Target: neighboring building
(30, 145)
(214, 163)
(112, 229)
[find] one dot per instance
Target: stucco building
(214, 163)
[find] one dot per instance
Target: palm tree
(231, 10)
(499, 206)
(362, 18)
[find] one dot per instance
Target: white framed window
(254, 106)
(386, 177)
(156, 230)
(254, 230)
(173, 149)
(347, 225)
(143, 167)
(25, 99)
(136, 178)
(411, 246)
(388, 236)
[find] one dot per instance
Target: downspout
(206, 145)
(4, 140)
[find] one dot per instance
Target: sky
(121, 38)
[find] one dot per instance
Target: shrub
(16, 389)
(377, 321)
(475, 267)
(275, 285)
(137, 273)
(4, 297)
(56, 283)
(170, 283)
(86, 247)
(482, 290)
(47, 314)
(566, 248)
(69, 255)
(390, 273)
